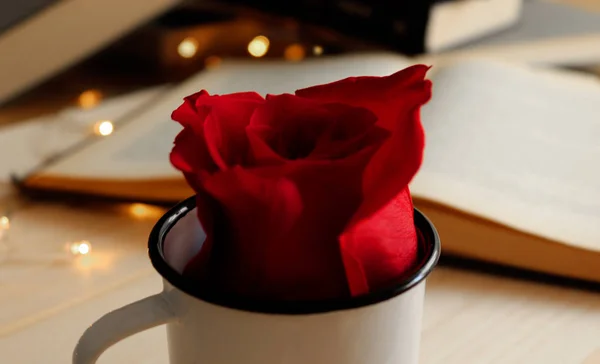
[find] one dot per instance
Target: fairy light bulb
(258, 46)
(83, 247)
(104, 127)
(317, 50)
(188, 47)
(89, 99)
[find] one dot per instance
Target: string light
(188, 47)
(74, 249)
(317, 50)
(80, 248)
(294, 52)
(89, 99)
(258, 46)
(212, 62)
(104, 127)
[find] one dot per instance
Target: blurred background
(56, 54)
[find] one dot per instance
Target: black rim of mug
(430, 256)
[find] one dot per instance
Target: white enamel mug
(378, 328)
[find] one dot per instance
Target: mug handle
(121, 323)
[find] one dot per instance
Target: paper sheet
(517, 147)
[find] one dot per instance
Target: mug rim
(163, 226)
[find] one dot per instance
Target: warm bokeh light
(142, 211)
(81, 248)
(259, 46)
(89, 99)
(317, 50)
(212, 62)
(188, 47)
(294, 52)
(4, 226)
(4, 223)
(104, 127)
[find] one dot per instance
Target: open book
(510, 173)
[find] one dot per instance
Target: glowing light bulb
(317, 50)
(81, 248)
(294, 52)
(89, 99)
(259, 46)
(104, 127)
(188, 47)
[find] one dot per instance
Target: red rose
(305, 196)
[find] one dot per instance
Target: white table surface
(48, 299)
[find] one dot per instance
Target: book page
(23, 146)
(26, 145)
(516, 146)
(141, 148)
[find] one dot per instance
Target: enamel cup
(381, 327)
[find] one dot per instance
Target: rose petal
(190, 156)
(385, 96)
(216, 141)
(260, 213)
(261, 152)
(393, 166)
(227, 98)
(289, 125)
(378, 251)
(212, 126)
(286, 221)
(309, 263)
(224, 126)
(187, 113)
(396, 100)
(352, 130)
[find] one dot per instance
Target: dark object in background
(399, 24)
(43, 38)
(13, 12)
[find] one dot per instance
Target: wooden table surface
(48, 297)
